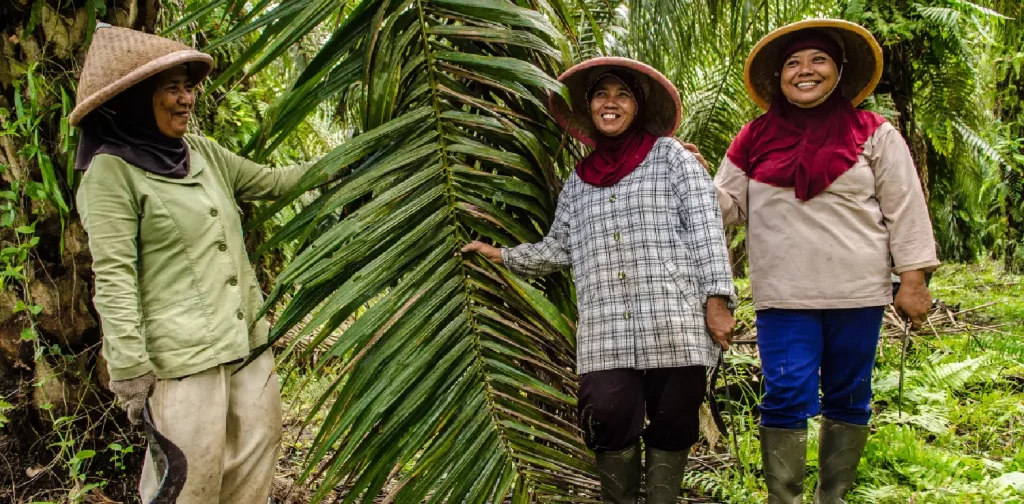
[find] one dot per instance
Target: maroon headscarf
(806, 149)
(616, 157)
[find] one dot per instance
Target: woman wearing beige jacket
(176, 294)
(831, 200)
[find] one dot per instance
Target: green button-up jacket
(175, 291)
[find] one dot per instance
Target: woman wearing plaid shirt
(639, 223)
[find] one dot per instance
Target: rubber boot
(620, 475)
(839, 450)
(784, 455)
(665, 471)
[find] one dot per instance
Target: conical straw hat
(120, 58)
(663, 109)
(861, 70)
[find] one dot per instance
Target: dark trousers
(801, 349)
(614, 403)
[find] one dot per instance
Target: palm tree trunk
(899, 73)
(56, 368)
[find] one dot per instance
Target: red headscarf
(616, 157)
(806, 149)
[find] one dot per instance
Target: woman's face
(173, 99)
(808, 76)
(612, 107)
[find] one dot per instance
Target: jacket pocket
(687, 292)
(176, 326)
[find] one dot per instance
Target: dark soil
(32, 468)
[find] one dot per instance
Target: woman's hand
(492, 254)
(696, 153)
(913, 300)
(720, 321)
(132, 394)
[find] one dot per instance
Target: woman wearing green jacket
(176, 294)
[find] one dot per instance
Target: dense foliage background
(418, 374)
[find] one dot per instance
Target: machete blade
(168, 460)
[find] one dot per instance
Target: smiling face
(808, 76)
(173, 99)
(612, 107)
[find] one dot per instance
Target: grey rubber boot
(784, 455)
(620, 475)
(839, 450)
(665, 471)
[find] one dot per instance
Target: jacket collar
(197, 164)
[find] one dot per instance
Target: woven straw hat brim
(663, 109)
(861, 71)
(120, 58)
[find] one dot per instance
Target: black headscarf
(126, 127)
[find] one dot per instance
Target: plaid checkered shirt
(646, 254)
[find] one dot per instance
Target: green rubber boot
(665, 471)
(620, 475)
(784, 455)
(839, 450)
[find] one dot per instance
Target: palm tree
(458, 378)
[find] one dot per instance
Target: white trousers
(229, 428)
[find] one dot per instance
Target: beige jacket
(835, 250)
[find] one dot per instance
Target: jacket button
(622, 275)
(612, 198)
(627, 315)
(222, 247)
(233, 281)
(213, 212)
(240, 315)
(617, 236)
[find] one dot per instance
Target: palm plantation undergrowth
(956, 440)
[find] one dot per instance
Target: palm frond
(458, 379)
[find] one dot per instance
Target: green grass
(958, 439)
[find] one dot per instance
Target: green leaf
(85, 454)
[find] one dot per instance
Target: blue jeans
(800, 347)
